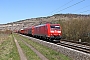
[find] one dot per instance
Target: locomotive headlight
(59, 31)
(52, 31)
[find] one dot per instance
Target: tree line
(75, 29)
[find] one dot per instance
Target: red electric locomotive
(48, 31)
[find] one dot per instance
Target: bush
(75, 29)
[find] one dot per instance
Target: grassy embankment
(8, 50)
(49, 53)
(27, 51)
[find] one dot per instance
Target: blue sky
(15, 10)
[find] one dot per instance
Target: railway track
(84, 47)
(80, 46)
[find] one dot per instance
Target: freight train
(47, 31)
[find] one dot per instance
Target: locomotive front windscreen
(55, 27)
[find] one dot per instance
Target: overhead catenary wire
(62, 6)
(71, 5)
(82, 8)
(84, 11)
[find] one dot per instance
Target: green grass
(8, 50)
(49, 53)
(28, 52)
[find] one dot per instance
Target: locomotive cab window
(56, 27)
